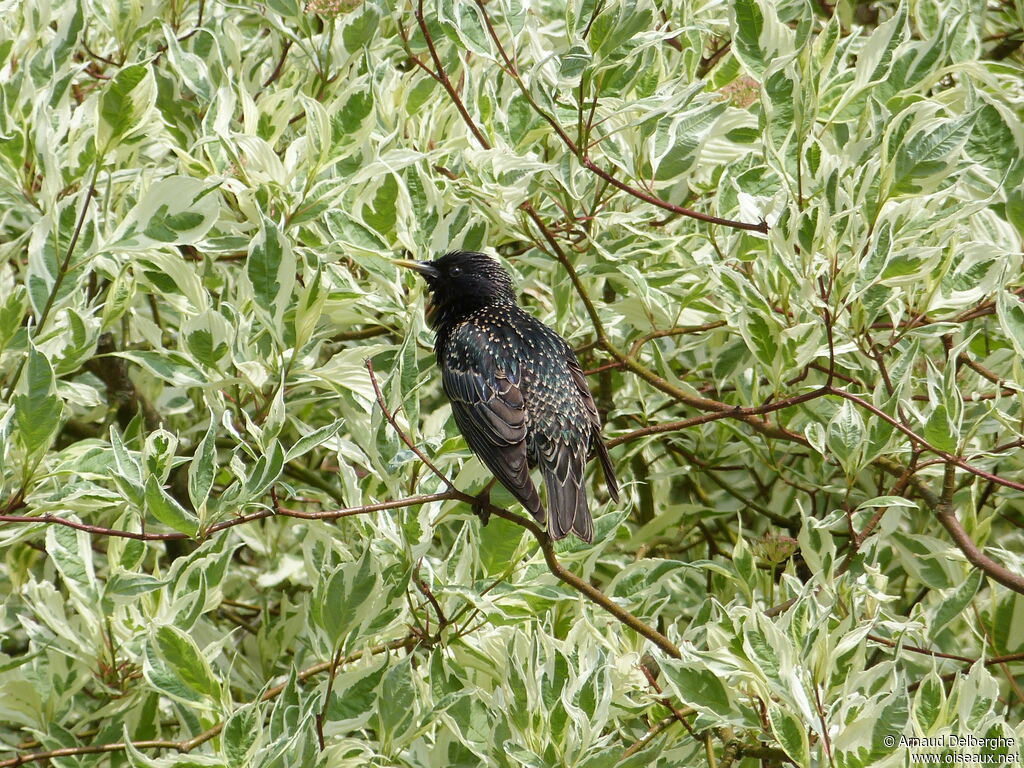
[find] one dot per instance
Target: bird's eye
(455, 271)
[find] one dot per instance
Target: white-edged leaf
(759, 38)
(38, 411)
(168, 511)
(176, 210)
(271, 270)
(125, 105)
(203, 469)
(318, 436)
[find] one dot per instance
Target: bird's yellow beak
(425, 268)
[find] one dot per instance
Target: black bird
(517, 390)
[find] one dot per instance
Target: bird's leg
(483, 499)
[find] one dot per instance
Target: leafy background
(218, 551)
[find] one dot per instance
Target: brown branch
(631, 364)
(925, 651)
(331, 514)
(425, 590)
(677, 713)
(975, 556)
(761, 226)
(678, 331)
(945, 514)
(920, 441)
(991, 661)
(985, 373)
(321, 716)
(725, 412)
(280, 63)
(361, 333)
(775, 517)
(708, 62)
(574, 277)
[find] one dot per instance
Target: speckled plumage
(517, 390)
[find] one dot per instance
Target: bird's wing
(491, 414)
(580, 379)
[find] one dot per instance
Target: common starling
(517, 390)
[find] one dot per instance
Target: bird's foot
(483, 501)
(481, 511)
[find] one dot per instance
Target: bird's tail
(567, 500)
(608, 469)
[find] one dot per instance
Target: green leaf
(12, 311)
(875, 61)
(361, 27)
(497, 543)
(177, 667)
(348, 589)
(676, 150)
(125, 105)
(887, 501)
(271, 271)
(846, 436)
(71, 552)
(1011, 317)
(929, 701)
(743, 562)
(38, 412)
(207, 335)
(952, 606)
(574, 62)
(127, 465)
(130, 585)
(891, 720)
(396, 710)
(312, 299)
(176, 210)
(241, 735)
(172, 367)
(940, 430)
(317, 437)
(168, 511)
(925, 558)
(1008, 624)
(928, 154)
(699, 688)
(759, 38)
(766, 647)
(158, 453)
(203, 468)
(791, 734)
(267, 470)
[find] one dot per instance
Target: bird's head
(462, 281)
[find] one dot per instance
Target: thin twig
(62, 272)
(442, 77)
(646, 739)
(404, 437)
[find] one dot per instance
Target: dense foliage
(217, 549)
